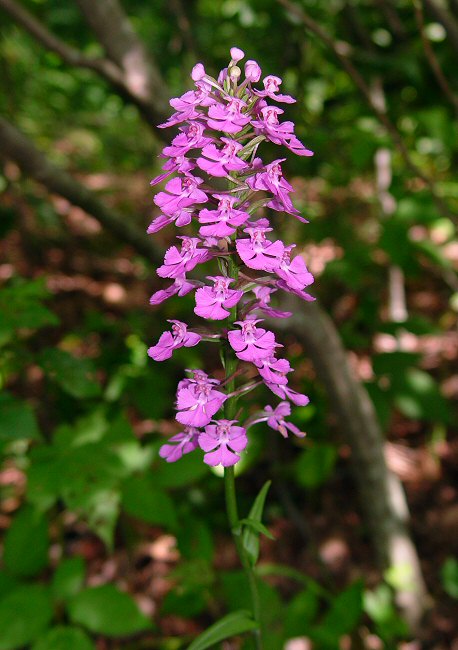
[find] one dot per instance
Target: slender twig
(66, 52)
(431, 56)
(340, 50)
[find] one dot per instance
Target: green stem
(230, 409)
(233, 517)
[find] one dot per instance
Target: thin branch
(391, 16)
(380, 491)
(340, 50)
(17, 147)
(431, 56)
(69, 54)
(447, 21)
(109, 70)
(123, 46)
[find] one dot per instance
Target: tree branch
(33, 163)
(114, 31)
(340, 50)
(431, 57)
(380, 491)
(446, 20)
(109, 70)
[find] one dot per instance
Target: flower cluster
(221, 125)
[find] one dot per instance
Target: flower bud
(236, 54)
(198, 72)
(252, 71)
(234, 72)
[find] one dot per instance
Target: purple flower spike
(215, 302)
(294, 272)
(228, 118)
(252, 343)
(223, 442)
(198, 401)
(187, 442)
(225, 220)
(276, 420)
(169, 341)
(177, 263)
(219, 162)
(258, 252)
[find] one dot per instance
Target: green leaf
(449, 576)
(21, 308)
(231, 625)
(25, 551)
(343, 615)
(24, 615)
(189, 470)
(315, 465)
(7, 584)
(250, 537)
(64, 638)
(75, 376)
(142, 499)
(257, 526)
(17, 420)
(68, 579)
(106, 610)
(300, 613)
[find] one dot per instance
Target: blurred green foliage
(72, 432)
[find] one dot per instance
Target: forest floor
(330, 547)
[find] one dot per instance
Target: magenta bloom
(276, 420)
(219, 162)
(191, 137)
(187, 442)
(273, 370)
(262, 294)
(288, 393)
(271, 87)
(224, 221)
(198, 401)
(252, 343)
(269, 125)
(272, 180)
(215, 302)
(281, 284)
(228, 118)
(252, 71)
(294, 272)
(169, 341)
(177, 263)
(223, 441)
(180, 193)
(177, 164)
(258, 252)
(180, 287)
